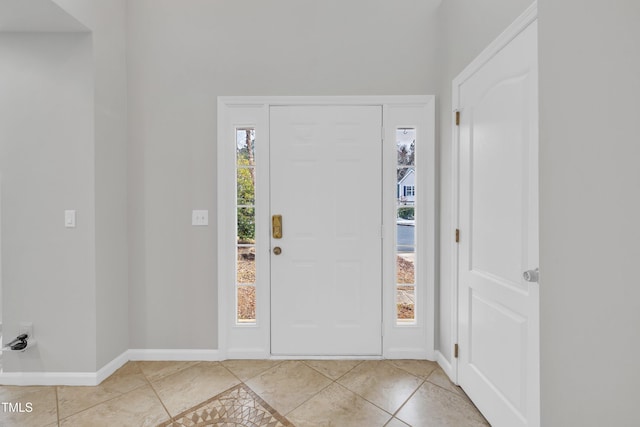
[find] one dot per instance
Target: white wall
(46, 161)
(465, 28)
(181, 57)
(106, 19)
(589, 210)
(65, 101)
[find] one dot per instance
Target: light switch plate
(200, 217)
(70, 219)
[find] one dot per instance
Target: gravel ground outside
(247, 293)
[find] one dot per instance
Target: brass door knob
(277, 250)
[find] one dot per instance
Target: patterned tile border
(236, 407)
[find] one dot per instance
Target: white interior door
(498, 309)
(325, 164)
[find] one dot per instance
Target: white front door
(325, 164)
(498, 309)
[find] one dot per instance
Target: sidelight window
(406, 205)
(245, 283)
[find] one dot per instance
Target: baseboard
(48, 378)
(247, 353)
(447, 367)
(63, 378)
(95, 378)
(108, 369)
(175, 355)
(408, 353)
(294, 357)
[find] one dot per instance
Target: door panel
(325, 182)
(499, 338)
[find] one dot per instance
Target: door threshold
(325, 357)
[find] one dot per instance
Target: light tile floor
(344, 393)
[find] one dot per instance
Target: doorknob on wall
(277, 250)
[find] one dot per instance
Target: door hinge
(457, 118)
(382, 231)
(457, 235)
(455, 351)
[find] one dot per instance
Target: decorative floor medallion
(237, 407)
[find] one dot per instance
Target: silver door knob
(531, 275)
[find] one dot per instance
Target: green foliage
(407, 212)
(246, 225)
(245, 180)
(245, 189)
(246, 196)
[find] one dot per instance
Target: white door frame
(519, 25)
(253, 341)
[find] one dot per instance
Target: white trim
(247, 353)
(420, 336)
(49, 378)
(409, 353)
(296, 357)
(175, 355)
(240, 340)
(64, 378)
(254, 341)
(108, 369)
(446, 366)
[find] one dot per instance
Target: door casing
(253, 341)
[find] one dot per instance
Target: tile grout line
(332, 381)
(57, 406)
(250, 378)
(449, 391)
(375, 404)
(315, 394)
(310, 397)
(155, 392)
(408, 399)
(118, 395)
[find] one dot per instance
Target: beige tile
(246, 369)
(434, 406)
(439, 378)
(156, 370)
(42, 402)
(333, 369)
(396, 423)
(140, 407)
(419, 368)
(335, 405)
(78, 398)
(381, 383)
(74, 399)
(125, 379)
(193, 385)
(288, 385)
